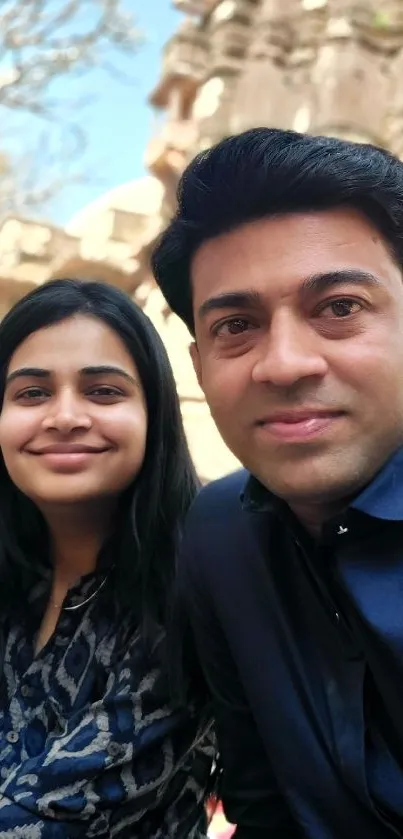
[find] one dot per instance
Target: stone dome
(141, 197)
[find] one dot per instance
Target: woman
(95, 478)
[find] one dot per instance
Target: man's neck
(313, 516)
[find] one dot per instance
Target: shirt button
(26, 691)
(342, 530)
(337, 617)
(12, 737)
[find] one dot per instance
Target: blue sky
(119, 122)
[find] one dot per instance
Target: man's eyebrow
(324, 281)
(315, 284)
(231, 300)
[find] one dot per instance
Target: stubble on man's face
(299, 350)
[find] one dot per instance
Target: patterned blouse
(89, 745)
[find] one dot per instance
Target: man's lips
(298, 425)
(300, 415)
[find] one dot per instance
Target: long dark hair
(159, 496)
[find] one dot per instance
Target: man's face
(299, 350)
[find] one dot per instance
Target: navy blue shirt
(302, 646)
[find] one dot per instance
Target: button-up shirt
(302, 645)
(89, 743)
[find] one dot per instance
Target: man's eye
(232, 326)
(342, 308)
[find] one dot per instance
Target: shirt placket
(342, 664)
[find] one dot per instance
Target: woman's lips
(67, 458)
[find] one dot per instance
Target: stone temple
(324, 66)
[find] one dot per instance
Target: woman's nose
(66, 414)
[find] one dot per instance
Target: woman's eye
(343, 308)
(105, 392)
(31, 393)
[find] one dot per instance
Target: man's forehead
(263, 256)
(335, 223)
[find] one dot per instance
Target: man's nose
(291, 351)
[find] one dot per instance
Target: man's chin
(310, 486)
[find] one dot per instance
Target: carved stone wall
(294, 63)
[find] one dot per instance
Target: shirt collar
(255, 498)
(381, 499)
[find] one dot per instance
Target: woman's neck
(76, 538)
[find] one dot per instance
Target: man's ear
(195, 356)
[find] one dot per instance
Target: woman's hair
(154, 506)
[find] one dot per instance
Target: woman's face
(73, 425)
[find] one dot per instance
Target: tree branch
(43, 42)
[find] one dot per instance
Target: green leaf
(381, 20)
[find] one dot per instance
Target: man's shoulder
(221, 497)
(218, 516)
(221, 533)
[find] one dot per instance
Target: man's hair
(266, 172)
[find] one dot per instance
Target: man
(285, 260)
